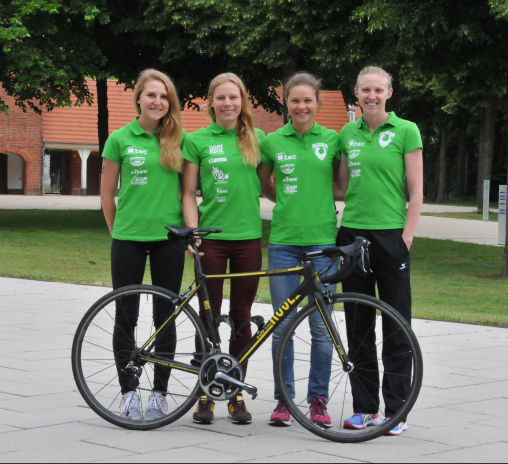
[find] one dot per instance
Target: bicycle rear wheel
(378, 377)
(110, 333)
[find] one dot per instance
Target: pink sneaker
(318, 413)
(280, 416)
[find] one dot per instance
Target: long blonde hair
(248, 141)
(169, 131)
(374, 70)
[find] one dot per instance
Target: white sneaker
(130, 407)
(157, 406)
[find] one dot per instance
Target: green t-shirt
(149, 194)
(231, 189)
(304, 214)
(375, 197)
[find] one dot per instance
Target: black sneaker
(204, 411)
(238, 411)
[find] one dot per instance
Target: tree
(45, 55)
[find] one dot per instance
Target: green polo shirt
(375, 197)
(304, 214)
(231, 189)
(149, 194)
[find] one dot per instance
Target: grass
(475, 216)
(451, 281)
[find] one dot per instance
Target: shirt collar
(216, 129)
(288, 129)
(137, 129)
(392, 119)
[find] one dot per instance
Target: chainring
(220, 363)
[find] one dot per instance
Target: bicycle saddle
(184, 232)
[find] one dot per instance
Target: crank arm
(226, 379)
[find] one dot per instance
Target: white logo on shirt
(402, 267)
(221, 199)
(354, 143)
(283, 157)
(356, 173)
(290, 179)
(220, 177)
(138, 161)
(385, 138)
(354, 153)
(354, 164)
(139, 181)
(287, 168)
(221, 191)
(216, 149)
(135, 151)
(320, 150)
(137, 171)
(217, 160)
(290, 189)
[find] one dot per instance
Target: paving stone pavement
(459, 417)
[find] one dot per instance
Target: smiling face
(153, 101)
(227, 104)
(302, 105)
(372, 93)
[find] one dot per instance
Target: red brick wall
(20, 133)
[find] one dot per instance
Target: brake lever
(362, 252)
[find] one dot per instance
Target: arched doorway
(12, 174)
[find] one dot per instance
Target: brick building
(57, 152)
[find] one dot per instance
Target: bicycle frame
(309, 286)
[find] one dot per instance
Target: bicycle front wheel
(114, 329)
(385, 380)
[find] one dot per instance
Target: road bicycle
(178, 349)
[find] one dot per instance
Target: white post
(351, 112)
(486, 199)
(502, 214)
(84, 154)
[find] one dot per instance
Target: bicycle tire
(299, 406)
(91, 339)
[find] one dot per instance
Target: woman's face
(372, 94)
(227, 103)
(302, 104)
(154, 101)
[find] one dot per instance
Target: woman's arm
(190, 204)
(267, 184)
(109, 185)
(340, 188)
(414, 174)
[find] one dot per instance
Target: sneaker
(402, 427)
(238, 411)
(130, 407)
(157, 406)
(280, 416)
(204, 411)
(318, 413)
(361, 421)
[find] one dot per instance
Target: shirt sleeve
(184, 136)
(412, 138)
(265, 150)
(190, 150)
(112, 149)
(260, 134)
(342, 148)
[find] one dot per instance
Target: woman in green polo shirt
(378, 153)
(146, 155)
(225, 156)
(303, 155)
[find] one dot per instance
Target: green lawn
(475, 216)
(451, 281)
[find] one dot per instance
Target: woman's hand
(191, 251)
(408, 240)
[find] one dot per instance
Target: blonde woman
(225, 156)
(146, 155)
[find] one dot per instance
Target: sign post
(502, 214)
(486, 199)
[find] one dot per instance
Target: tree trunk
(505, 259)
(434, 187)
(103, 113)
(288, 71)
(462, 158)
(486, 154)
(393, 104)
(441, 190)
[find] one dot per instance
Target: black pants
(128, 262)
(391, 268)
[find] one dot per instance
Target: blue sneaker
(402, 427)
(361, 421)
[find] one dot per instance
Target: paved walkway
(460, 230)
(460, 415)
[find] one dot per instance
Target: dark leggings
(128, 262)
(243, 256)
